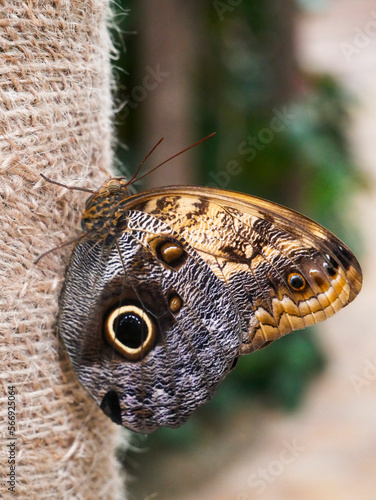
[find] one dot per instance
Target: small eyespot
(169, 252)
(344, 256)
(332, 261)
(130, 331)
(296, 281)
(175, 303)
(331, 266)
(330, 269)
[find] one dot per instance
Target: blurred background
(290, 90)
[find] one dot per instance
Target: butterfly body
(169, 287)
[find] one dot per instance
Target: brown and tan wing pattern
(167, 288)
(150, 330)
(284, 271)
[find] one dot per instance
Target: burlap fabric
(55, 118)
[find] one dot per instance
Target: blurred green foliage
(286, 143)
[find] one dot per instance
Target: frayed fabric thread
(55, 118)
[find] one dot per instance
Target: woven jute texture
(55, 118)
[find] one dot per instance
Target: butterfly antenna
(168, 159)
(143, 161)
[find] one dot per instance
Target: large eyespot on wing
(223, 269)
(284, 271)
(157, 331)
(199, 327)
(130, 330)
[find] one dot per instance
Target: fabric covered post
(55, 118)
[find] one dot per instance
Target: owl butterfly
(167, 288)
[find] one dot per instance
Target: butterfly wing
(284, 271)
(155, 317)
(150, 330)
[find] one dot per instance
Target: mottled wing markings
(239, 244)
(271, 322)
(227, 261)
(269, 290)
(142, 228)
(139, 228)
(285, 313)
(198, 350)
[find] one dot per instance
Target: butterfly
(167, 288)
